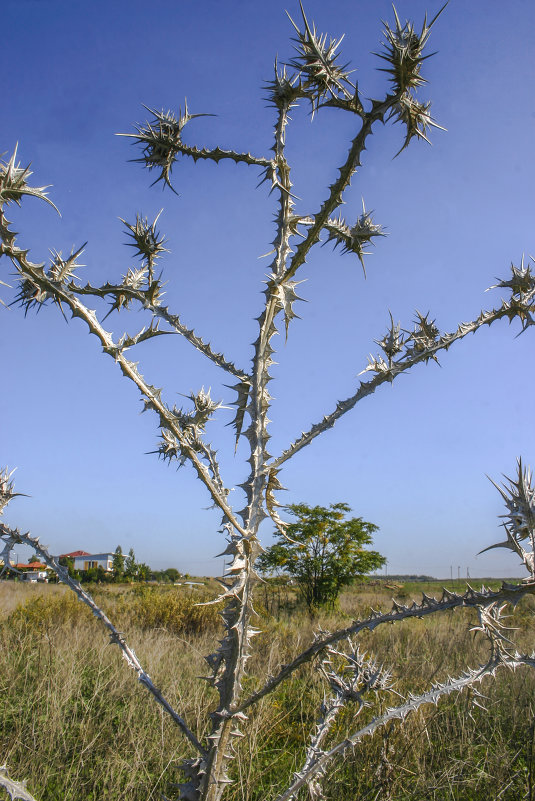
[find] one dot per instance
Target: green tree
(130, 565)
(68, 562)
(144, 572)
(118, 563)
(322, 551)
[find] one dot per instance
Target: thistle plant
(317, 77)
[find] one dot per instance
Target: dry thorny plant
(316, 76)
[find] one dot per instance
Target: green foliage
(322, 551)
(68, 562)
(130, 566)
(118, 563)
(40, 614)
(152, 608)
(168, 576)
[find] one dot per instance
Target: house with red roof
(82, 560)
(33, 571)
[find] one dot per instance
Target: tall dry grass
(76, 725)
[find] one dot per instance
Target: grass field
(76, 725)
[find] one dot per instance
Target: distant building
(33, 571)
(82, 560)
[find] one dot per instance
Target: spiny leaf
(243, 389)
(286, 297)
(519, 499)
(13, 183)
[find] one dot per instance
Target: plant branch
(162, 312)
(400, 712)
(168, 420)
(336, 190)
(386, 372)
(16, 790)
(511, 593)
(13, 536)
(161, 140)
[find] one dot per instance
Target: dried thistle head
(284, 89)
(14, 183)
(415, 117)
(355, 238)
(424, 333)
(29, 295)
(519, 523)
(6, 488)
(148, 241)
(204, 407)
(519, 499)
(317, 62)
(392, 342)
(193, 422)
(161, 139)
(403, 51)
(522, 281)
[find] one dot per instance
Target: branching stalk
(16, 537)
(316, 75)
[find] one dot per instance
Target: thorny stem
(211, 154)
(229, 661)
(16, 790)
(115, 636)
(238, 622)
(509, 593)
(397, 368)
(337, 189)
(128, 368)
(163, 313)
(400, 712)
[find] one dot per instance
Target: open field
(76, 724)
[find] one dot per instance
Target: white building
(85, 561)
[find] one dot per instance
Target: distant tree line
(408, 577)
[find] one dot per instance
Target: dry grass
(76, 725)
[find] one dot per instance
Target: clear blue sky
(412, 458)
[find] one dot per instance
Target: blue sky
(412, 458)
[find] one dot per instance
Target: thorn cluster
(317, 63)
(161, 139)
(403, 51)
(354, 239)
(519, 523)
(6, 488)
(14, 183)
(148, 241)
